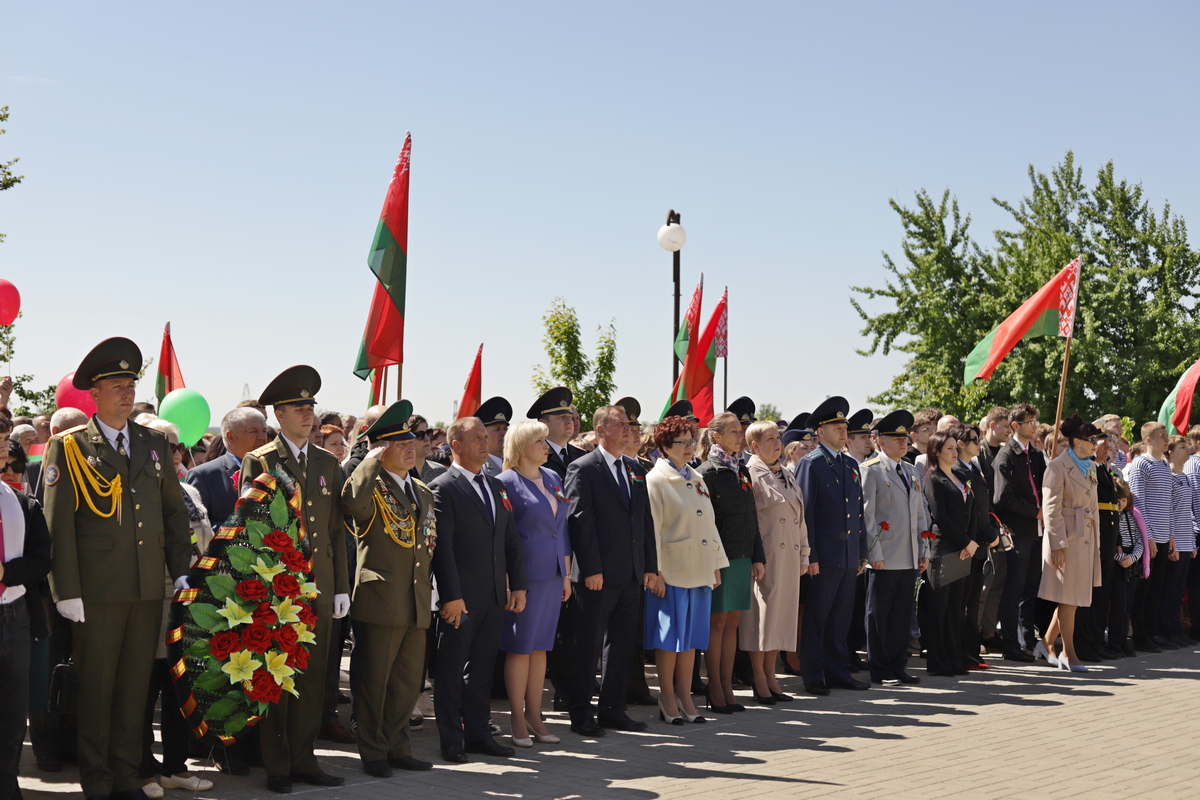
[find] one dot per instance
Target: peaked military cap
(799, 422)
(632, 409)
(860, 421)
(796, 435)
(553, 401)
(834, 409)
(743, 409)
(392, 425)
(897, 423)
(681, 408)
(495, 411)
(295, 386)
(117, 357)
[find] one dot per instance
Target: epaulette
(71, 431)
(814, 454)
(264, 450)
(869, 462)
(419, 482)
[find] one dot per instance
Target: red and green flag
(169, 377)
(695, 383)
(473, 389)
(691, 323)
(383, 338)
(1051, 311)
(1176, 411)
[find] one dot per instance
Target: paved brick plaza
(1128, 729)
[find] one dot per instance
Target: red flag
(169, 377)
(700, 369)
(473, 390)
(691, 323)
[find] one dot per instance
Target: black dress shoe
(819, 689)
(1019, 655)
(623, 723)
(281, 784)
(721, 709)
(904, 677)
(1090, 656)
(409, 763)
(50, 764)
(455, 754)
(1164, 643)
(1146, 646)
(769, 700)
(377, 769)
(231, 763)
(940, 673)
(644, 700)
(993, 644)
(588, 728)
(780, 697)
(489, 747)
(1111, 654)
(317, 778)
(849, 683)
(737, 706)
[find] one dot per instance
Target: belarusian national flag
(1050, 311)
(691, 323)
(701, 367)
(169, 377)
(1176, 410)
(473, 390)
(383, 339)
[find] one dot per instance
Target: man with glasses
(1017, 499)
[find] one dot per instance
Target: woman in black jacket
(952, 512)
(729, 487)
(987, 534)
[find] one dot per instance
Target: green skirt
(734, 592)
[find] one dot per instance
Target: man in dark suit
(1017, 498)
(612, 533)
(289, 732)
(995, 433)
(833, 509)
(478, 547)
(243, 429)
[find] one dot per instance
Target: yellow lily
(235, 613)
(267, 573)
(309, 590)
(286, 611)
(277, 666)
(289, 685)
(240, 667)
(305, 636)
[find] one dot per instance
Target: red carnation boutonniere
(504, 501)
(744, 481)
(930, 535)
(634, 477)
(237, 479)
(884, 526)
(701, 490)
(558, 494)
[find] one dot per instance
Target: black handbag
(64, 688)
(945, 570)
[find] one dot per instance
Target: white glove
(71, 609)
(377, 450)
(341, 605)
(181, 583)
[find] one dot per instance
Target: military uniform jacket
(393, 584)
(120, 558)
(833, 509)
(320, 496)
(895, 516)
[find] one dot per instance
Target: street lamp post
(672, 237)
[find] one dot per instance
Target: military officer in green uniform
(396, 531)
(118, 522)
(289, 731)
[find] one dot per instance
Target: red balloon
(10, 303)
(67, 396)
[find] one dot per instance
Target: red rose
(251, 589)
(265, 614)
(278, 541)
(222, 644)
(307, 615)
(287, 638)
(884, 526)
(298, 658)
(256, 637)
(264, 689)
(295, 561)
(286, 585)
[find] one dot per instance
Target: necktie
(620, 468)
(121, 451)
(903, 480)
(487, 498)
(408, 490)
(303, 464)
(1037, 498)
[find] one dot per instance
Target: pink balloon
(67, 396)
(10, 302)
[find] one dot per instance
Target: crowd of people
(482, 559)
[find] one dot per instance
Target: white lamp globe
(672, 237)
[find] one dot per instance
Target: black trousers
(560, 662)
(941, 633)
(972, 588)
(827, 609)
(462, 706)
(15, 640)
(1193, 588)
(173, 726)
(611, 612)
(1120, 600)
(1147, 602)
(1175, 578)
(857, 638)
(1090, 622)
(993, 588)
(889, 616)
(1018, 599)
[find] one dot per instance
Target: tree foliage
(1136, 329)
(589, 379)
(8, 178)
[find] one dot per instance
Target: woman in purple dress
(536, 497)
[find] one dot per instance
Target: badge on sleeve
(51, 474)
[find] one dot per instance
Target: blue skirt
(679, 621)
(533, 629)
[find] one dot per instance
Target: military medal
(324, 487)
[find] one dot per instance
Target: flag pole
(1062, 390)
(383, 387)
(399, 381)
(725, 400)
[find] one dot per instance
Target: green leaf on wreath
(205, 615)
(221, 586)
(221, 709)
(242, 559)
(262, 708)
(211, 681)
(236, 722)
(279, 510)
(198, 649)
(293, 530)
(214, 667)
(256, 531)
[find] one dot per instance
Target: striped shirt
(1191, 470)
(1131, 538)
(1153, 486)
(1182, 520)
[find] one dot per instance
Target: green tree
(1136, 327)
(589, 379)
(7, 178)
(767, 411)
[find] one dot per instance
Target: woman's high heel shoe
(769, 700)
(662, 715)
(695, 719)
(1040, 651)
(781, 697)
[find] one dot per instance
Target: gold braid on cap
(84, 475)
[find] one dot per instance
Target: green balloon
(189, 412)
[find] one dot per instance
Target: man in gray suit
(896, 517)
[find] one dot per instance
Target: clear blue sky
(222, 166)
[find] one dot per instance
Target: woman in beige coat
(1071, 546)
(770, 624)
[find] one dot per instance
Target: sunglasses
(1097, 439)
(179, 448)
(421, 434)
(684, 443)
